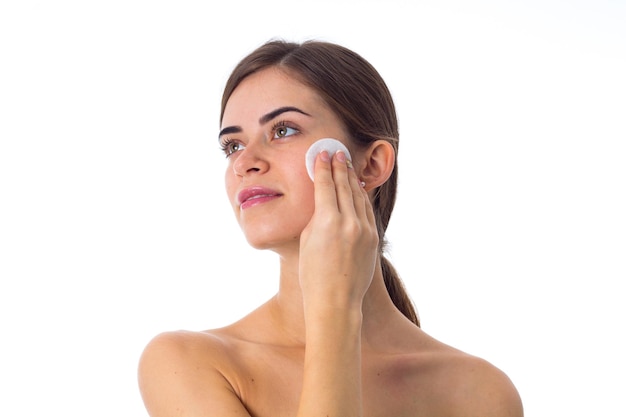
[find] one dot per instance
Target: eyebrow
(264, 119)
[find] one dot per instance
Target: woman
(341, 337)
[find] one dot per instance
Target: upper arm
(488, 392)
(178, 377)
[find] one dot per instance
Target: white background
(114, 226)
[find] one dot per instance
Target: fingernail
(341, 157)
(324, 156)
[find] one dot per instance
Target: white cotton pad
(327, 144)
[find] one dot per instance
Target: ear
(377, 164)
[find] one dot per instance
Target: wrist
(329, 318)
(333, 306)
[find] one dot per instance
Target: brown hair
(356, 92)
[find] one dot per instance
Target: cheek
(230, 186)
(293, 170)
(304, 184)
(307, 196)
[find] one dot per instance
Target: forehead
(267, 90)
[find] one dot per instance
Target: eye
(282, 130)
(229, 147)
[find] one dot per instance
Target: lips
(256, 195)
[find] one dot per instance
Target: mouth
(253, 196)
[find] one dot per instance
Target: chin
(267, 233)
(276, 245)
(272, 239)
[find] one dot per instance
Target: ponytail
(397, 292)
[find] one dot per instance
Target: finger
(359, 195)
(324, 186)
(369, 208)
(341, 177)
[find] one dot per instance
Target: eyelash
(285, 124)
(227, 142)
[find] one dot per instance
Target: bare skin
(330, 342)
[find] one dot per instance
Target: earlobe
(379, 162)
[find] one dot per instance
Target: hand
(338, 247)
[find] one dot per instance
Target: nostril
(250, 161)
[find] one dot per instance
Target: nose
(250, 161)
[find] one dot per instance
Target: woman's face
(269, 122)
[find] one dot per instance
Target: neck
(288, 312)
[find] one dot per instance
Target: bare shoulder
(465, 385)
(184, 373)
(481, 389)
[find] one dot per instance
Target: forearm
(332, 364)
